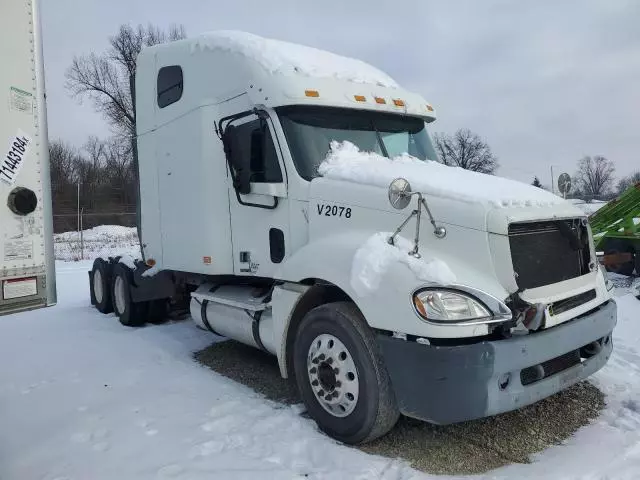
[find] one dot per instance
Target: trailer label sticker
(333, 211)
(23, 287)
(18, 250)
(13, 159)
(21, 101)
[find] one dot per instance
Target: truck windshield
(310, 131)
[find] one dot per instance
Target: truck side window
(170, 85)
(260, 152)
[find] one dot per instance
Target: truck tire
(341, 376)
(100, 287)
(616, 245)
(157, 311)
(129, 313)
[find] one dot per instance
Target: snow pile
(101, 241)
(374, 258)
(285, 58)
(101, 233)
(346, 162)
(129, 261)
(589, 208)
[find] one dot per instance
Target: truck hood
(455, 196)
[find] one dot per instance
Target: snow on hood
(285, 58)
(346, 162)
(374, 258)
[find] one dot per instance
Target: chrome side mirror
(399, 193)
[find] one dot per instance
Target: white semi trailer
(27, 276)
(267, 183)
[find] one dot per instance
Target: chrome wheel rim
(98, 292)
(333, 375)
(119, 294)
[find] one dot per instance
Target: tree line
(101, 173)
(594, 179)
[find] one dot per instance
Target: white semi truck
(270, 209)
(27, 276)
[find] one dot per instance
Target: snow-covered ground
(102, 241)
(83, 397)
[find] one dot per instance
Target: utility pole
(78, 207)
(553, 188)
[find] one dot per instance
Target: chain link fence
(93, 225)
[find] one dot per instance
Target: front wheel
(341, 375)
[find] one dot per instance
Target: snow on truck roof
(286, 58)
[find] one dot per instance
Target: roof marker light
(311, 93)
(429, 107)
(398, 103)
(380, 100)
(360, 98)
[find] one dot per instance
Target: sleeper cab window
(170, 85)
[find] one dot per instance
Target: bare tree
(627, 181)
(467, 150)
(595, 175)
(119, 170)
(536, 182)
(102, 173)
(62, 159)
(105, 78)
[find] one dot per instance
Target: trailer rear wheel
(100, 286)
(341, 375)
(129, 313)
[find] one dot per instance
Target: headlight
(448, 306)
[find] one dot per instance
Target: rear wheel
(100, 287)
(341, 375)
(129, 313)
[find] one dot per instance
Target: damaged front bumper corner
(450, 384)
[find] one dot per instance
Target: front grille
(550, 367)
(549, 252)
(572, 302)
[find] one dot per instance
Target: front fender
(330, 259)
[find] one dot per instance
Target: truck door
(259, 219)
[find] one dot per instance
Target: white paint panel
(26, 241)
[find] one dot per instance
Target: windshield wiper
(380, 141)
